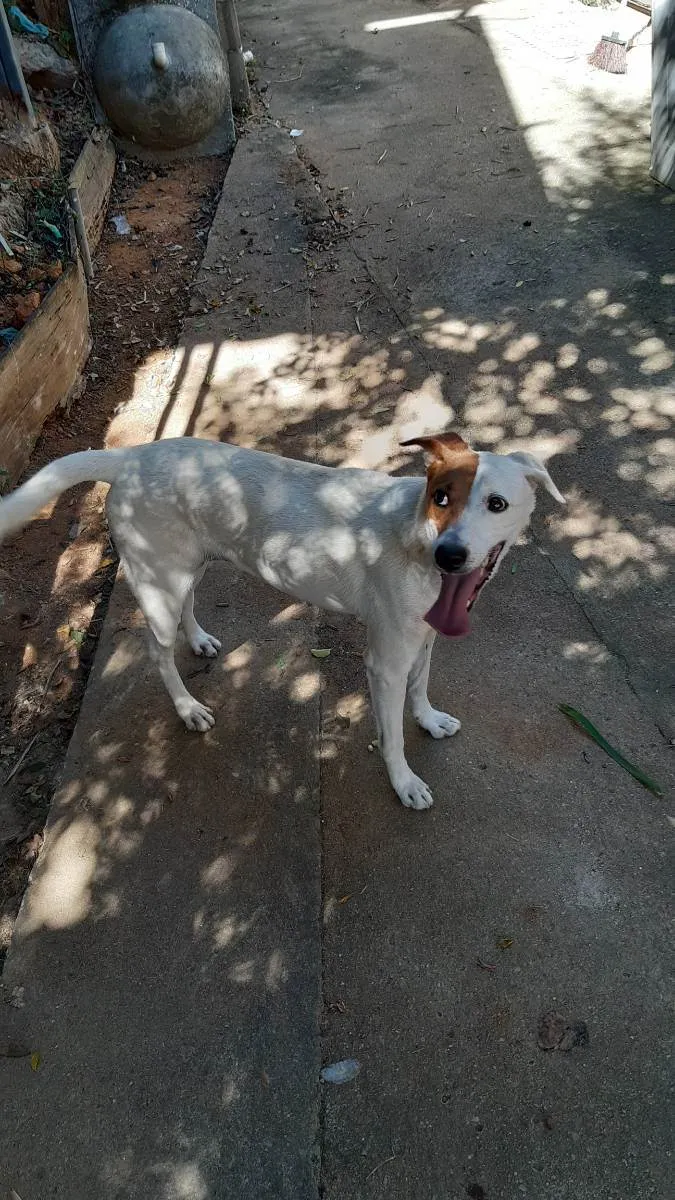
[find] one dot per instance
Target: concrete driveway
(469, 239)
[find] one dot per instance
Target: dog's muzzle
(450, 556)
(460, 588)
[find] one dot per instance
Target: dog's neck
(415, 532)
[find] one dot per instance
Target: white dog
(408, 556)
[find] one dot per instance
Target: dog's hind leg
(161, 591)
(438, 724)
(388, 663)
(200, 641)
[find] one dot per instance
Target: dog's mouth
(458, 594)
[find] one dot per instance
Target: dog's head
(475, 506)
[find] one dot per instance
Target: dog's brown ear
(440, 446)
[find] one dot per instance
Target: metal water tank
(161, 76)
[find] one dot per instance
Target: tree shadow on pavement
(557, 344)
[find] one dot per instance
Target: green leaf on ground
(320, 653)
(577, 718)
(51, 228)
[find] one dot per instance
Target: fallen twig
(52, 674)
(20, 759)
(289, 78)
(485, 966)
(380, 1165)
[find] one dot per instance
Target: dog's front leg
(438, 724)
(388, 665)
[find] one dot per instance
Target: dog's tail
(88, 466)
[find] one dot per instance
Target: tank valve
(160, 57)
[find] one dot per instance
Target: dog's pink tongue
(449, 614)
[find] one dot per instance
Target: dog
(407, 555)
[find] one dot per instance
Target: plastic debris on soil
(20, 21)
(341, 1072)
(121, 224)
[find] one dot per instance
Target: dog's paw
(438, 724)
(196, 716)
(413, 792)
(205, 644)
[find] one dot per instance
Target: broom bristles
(609, 55)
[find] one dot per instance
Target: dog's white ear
(537, 473)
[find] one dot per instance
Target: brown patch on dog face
(451, 471)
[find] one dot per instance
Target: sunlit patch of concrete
(61, 890)
(600, 132)
(586, 652)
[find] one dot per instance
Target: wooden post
(80, 232)
(229, 32)
(12, 82)
(663, 92)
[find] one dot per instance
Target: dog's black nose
(450, 556)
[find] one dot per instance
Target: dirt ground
(33, 216)
(38, 248)
(56, 577)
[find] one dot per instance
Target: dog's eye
(440, 498)
(497, 504)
